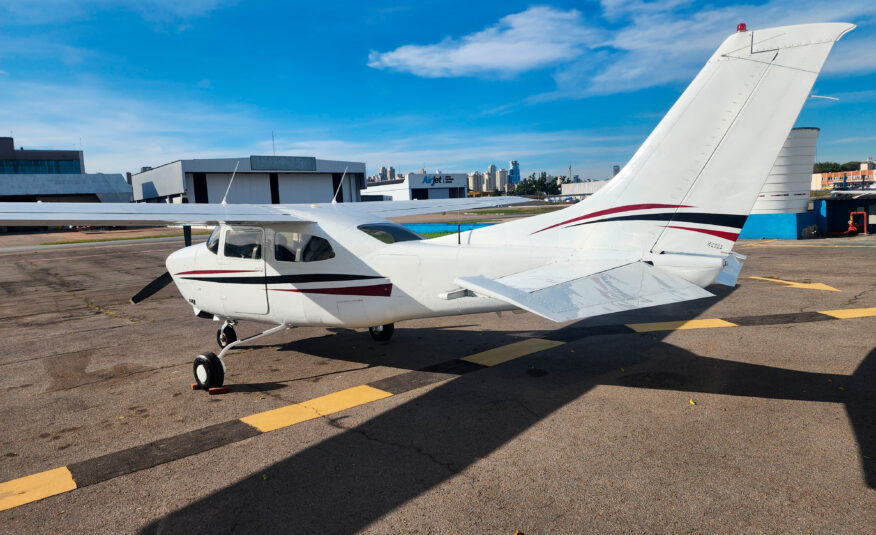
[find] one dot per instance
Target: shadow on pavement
(348, 481)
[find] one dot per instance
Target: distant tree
(537, 186)
(834, 167)
(825, 167)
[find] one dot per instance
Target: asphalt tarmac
(760, 419)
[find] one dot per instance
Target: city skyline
(145, 83)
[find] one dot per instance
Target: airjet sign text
(437, 179)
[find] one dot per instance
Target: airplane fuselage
(362, 282)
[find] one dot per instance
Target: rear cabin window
(295, 247)
(213, 241)
(389, 233)
(243, 243)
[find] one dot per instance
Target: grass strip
(518, 211)
(429, 235)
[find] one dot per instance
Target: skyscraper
(514, 173)
(475, 181)
(391, 175)
(382, 173)
(490, 178)
(502, 180)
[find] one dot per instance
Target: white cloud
(119, 133)
(535, 38)
(590, 154)
(854, 139)
(667, 42)
(654, 43)
(854, 55)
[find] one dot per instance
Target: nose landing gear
(382, 333)
(209, 368)
(226, 334)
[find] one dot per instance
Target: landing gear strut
(382, 333)
(226, 334)
(210, 368)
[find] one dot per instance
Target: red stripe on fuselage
(377, 290)
(615, 210)
(720, 234)
(217, 271)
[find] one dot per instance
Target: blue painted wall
(782, 226)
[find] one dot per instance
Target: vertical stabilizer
(691, 185)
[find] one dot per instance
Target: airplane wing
(564, 291)
(133, 214)
(387, 209)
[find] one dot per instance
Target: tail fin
(690, 187)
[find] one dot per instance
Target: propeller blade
(153, 287)
(187, 234)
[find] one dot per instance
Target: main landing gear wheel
(209, 372)
(382, 333)
(225, 336)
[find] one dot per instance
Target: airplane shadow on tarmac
(348, 481)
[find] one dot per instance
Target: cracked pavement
(594, 436)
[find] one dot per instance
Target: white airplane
(661, 231)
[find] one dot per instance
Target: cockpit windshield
(389, 232)
(213, 241)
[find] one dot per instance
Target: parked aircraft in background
(658, 233)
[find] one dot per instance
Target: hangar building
(54, 176)
(418, 186)
(259, 180)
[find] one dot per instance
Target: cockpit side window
(287, 246)
(243, 243)
(295, 247)
(389, 232)
(213, 241)
(317, 249)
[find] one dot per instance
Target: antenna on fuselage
(340, 185)
(229, 183)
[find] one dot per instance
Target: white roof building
(259, 180)
(420, 186)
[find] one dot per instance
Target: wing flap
(388, 209)
(627, 287)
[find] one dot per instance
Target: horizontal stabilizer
(627, 287)
(732, 267)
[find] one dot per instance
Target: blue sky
(449, 85)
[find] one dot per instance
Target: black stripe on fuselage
(287, 279)
(721, 220)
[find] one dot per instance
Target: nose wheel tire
(225, 336)
(382, 333)
(209, 372)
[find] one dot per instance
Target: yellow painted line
(498, 355)
(322, 406)
(849, 313)
(802, 285)
(35, 487)
(758, 244)
(680, 325)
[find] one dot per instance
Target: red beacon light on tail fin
(741, 27)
